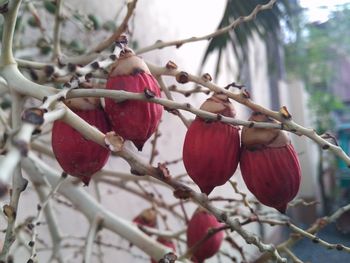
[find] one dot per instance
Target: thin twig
(233, 25)
(37, 219)
(94, 228)
(131, 5)
(56, 53)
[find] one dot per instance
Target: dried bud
(171, 65)
(206, 77)
(182, 77)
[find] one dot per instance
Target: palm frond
(267, 23)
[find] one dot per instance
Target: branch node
(285, 113)
(9, 212)
(182, 77)
(71, 67)
(4, 8)
(49, 70)
(149, 94)
(171, 65)
(95, 65)
(34, 116)
(206, 77)
(22, 146)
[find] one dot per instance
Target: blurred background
(297, 55)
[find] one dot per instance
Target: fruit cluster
(133, 120)
(211, 153)
(268, 162)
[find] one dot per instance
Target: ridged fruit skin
(198, 227)
(167, 243)
(78, 156)
(133, 120)
(272, 171)
(211, 153)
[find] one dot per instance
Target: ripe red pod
(76, 155)
(269, 165)
(197, 229)
(167, 243)
(211, 149)
(133, 120)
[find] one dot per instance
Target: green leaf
(95, 21)
(32, 21)
(50, 7)
(267, 21)
(76, 46)
(109, 25)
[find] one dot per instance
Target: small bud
(9, 212)
(325, 147)
(285, 113)
(206, 77)
(171, 65)
(95, 65)
(182, 193)
(149, 93)
(339, 247)
(245, 94)
(182, 77)
(49, 70)
(71, 67)
(113, 57)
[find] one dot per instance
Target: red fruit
(198, 227)
(78, 156)
(133, 120)
(269, 165)
(211, 148)
(147, 217)
(167, 243)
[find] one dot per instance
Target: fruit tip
(282, 209)
(206, 189)
(86, 180)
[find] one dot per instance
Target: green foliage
(266, 23)
(95, 21)
(312, 56)
(50, 7)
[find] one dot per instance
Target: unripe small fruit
(133, 120)
(147, 217)
(269, 165)
(211, 148)
(198, 227)
(76, 155)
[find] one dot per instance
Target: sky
(319, 10)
